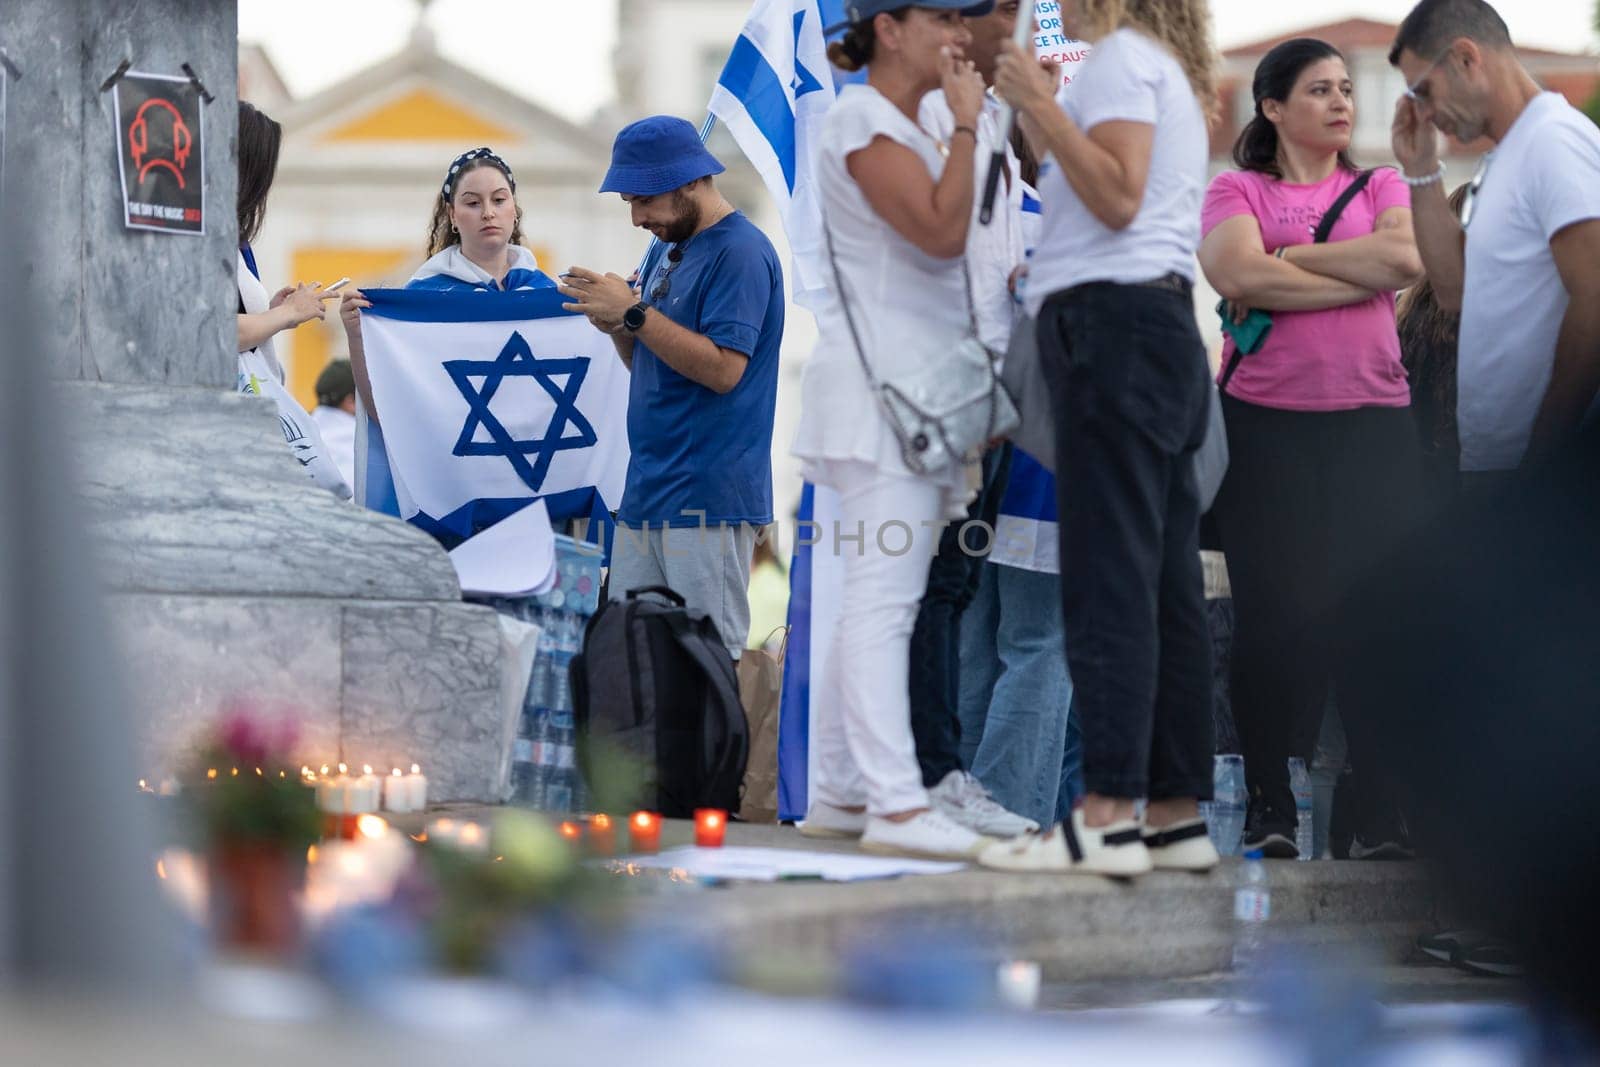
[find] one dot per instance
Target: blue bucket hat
(862, 10)
(655, 156)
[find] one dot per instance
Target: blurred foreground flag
(772, 96)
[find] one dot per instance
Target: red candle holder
(339, 827)
(644, 832)
(571, 832)
(710, 824)
(602, 836)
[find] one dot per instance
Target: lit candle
(417, 784)
(709, 826)
(397, 793)
(644, 828)
(571, 832)
(333, 794)
(1017, 983)
(368, 789)
(602, 836)
(472, 838)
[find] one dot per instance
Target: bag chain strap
(855, 336)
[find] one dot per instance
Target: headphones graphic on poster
(160, 146)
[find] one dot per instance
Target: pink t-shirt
(1330, 360)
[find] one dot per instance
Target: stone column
(230, 576)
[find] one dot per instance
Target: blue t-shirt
(695, 450)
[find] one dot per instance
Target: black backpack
(655, 683)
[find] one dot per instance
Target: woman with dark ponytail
(1325, 460)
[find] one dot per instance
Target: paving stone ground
(1081, 929)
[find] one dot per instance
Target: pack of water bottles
(544, 767)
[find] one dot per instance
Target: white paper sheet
(514, 557)
(773, 864)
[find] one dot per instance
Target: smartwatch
(633, 318)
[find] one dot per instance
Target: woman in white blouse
(896, 216)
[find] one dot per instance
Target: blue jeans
(1017, 732)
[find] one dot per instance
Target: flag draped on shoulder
(772, 95)
(491, 401)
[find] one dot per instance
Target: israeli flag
(491, 401)
(772, 95)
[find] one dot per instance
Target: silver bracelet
(1430, 179)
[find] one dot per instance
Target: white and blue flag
(772, 95)
(492, 400)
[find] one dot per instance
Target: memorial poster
(161, 150)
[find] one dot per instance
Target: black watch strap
(633, 318)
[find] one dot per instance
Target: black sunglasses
(658, 291)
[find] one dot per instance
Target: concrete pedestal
(229, 576)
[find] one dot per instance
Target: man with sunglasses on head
(700, 335)
(1522, 264)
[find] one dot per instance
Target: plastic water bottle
(1252, 908)
(1304, 817)
(559, 787)
(1225, 814)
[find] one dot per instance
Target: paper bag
(760, 690)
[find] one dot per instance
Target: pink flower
(244, 739)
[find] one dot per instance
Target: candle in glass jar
(709, 826)
(644, 830)
(571, 832)
(602, 836)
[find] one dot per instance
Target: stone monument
(228, 575)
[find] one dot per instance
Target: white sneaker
(930, 835)
(964, 799)
(825, 820)
(1116, 850)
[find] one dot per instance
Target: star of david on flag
(772, 95)
(516, 359)
(490, 401)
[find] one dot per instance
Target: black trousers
(953, 578)
(1129, 387)
(1314, 505)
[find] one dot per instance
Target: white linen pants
(862, 730)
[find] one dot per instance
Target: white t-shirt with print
(1129, 77)
(1541, 178)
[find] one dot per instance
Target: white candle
(367, 791)
(416, 789)
(1018, 984)
(397, 793)
(336, 796)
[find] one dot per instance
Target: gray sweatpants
(709, 566)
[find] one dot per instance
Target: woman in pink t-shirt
(1324, 454)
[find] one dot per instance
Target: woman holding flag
(895, 215)
(1112, 284)
(474, 245)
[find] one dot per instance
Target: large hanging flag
(772, 96)
(491, 401)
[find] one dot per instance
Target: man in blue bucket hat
(700, 335)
